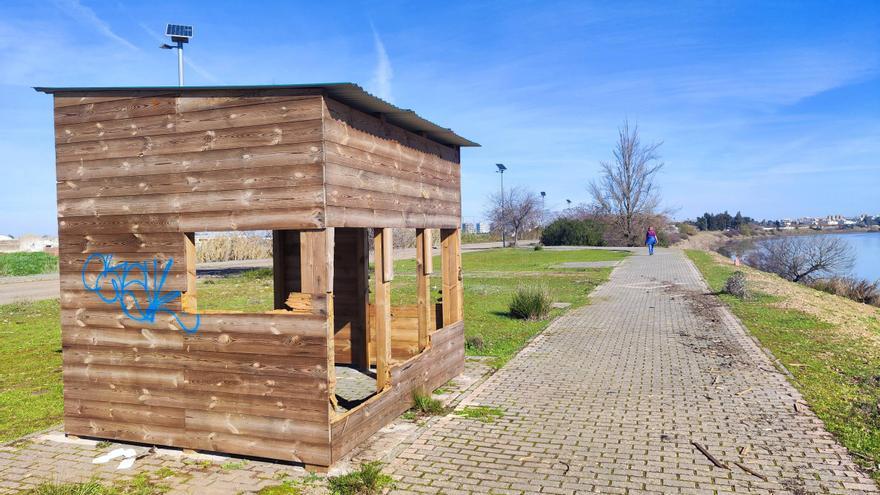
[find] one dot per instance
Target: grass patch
(250, 290)
(30, 357)
(17, 264)
(485, 414)
(165, 472)
(285, 488)
(367, 480)
(837, 373)
(231, 466)
(491, 278)
(139, 485)
(425, 405)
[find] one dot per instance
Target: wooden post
(382, 258)
(450, 252)
(316, 272)
(361, 343)
(279, 270)
(424, 268)
(188, 301)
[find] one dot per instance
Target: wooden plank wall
(168, 163)
(136, 173)
(404, 330)
(379, 175)
(441, 362)
(252, 384)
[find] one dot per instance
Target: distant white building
(35, 243)
(468, 228)
(483, 228)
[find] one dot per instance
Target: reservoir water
(865, 246)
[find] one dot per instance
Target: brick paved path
(611, 396)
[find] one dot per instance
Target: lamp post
(179, 34)
(501, 169)
(543, 208)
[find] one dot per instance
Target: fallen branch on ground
(710, 456)
(750, 470)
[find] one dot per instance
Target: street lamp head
(568, 201)
(166, 46)
(543, 194)
(501, 168)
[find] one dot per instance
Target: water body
(865, 245)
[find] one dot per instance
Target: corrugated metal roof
(348, 93)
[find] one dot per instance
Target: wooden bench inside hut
(330, 170)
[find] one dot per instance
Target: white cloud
(383, 73)
(86, 15)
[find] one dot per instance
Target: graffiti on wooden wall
(137, 287)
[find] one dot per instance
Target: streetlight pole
(501, 169)
(180, 63)
(543, 208)
(179, 34)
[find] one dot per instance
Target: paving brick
(617, 390)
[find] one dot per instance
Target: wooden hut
(140, 170)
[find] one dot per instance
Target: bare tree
(517, 211)
(626, 190)
(803, 259)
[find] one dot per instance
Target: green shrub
(539, 247)
(16, 264)
(570, 232)
(367, 480)
(530, 303)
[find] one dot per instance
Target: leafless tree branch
(626, 190)
(517, 211)
(803, 259)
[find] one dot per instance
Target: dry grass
(233, 247)
(856, 319)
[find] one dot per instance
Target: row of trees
(625, 198)
(722, 221)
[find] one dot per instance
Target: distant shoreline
(711, 240)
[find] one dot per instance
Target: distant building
(484, 228)
(29, 243)
(468, 228)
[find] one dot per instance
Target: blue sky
(772, 108)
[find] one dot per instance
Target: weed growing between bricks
(139, 485)
(484, 414)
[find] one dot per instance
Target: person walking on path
(650, 240)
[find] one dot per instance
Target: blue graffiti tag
(125, 277)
